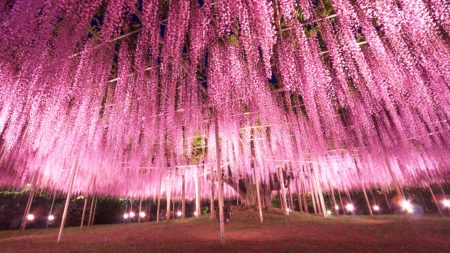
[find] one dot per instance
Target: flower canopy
(349, 92)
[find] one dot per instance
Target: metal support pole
(91, 209)
(220, 182)
(300, 208)
(84, 212)
(211, 198)
(183, 197)
(51, 207)
(283, 192)
(66, 206)
(93, 214)
(140, 210)
(435, 200)
(27, 209)
(197, 192)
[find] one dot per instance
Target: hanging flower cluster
(334, 92)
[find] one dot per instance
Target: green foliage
(300, 16)
(310, 30)
(233, 40)
(276, 203)
(325, 8)
(198, 148)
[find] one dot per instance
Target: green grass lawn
(296, 233)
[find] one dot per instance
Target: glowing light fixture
(142, 214)
(376, 208)
(336, 207)
(125, 216)
(407, 206)
(329, 212)
(179, 213)
(195, 213)
(446, 203)
(30, 217)
(51, 217)
(350, 207)
(132, 214)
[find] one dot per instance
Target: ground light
(30, 217)
(125, 216)
(179, 213)
(132, 214)
(407, 206)
(51, 217)
(142, 214)
(376, 208)
(329, 212)
(336, 207)
(350, 207)
(446, 203)
(195, 213)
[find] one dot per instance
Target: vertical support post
(305, 203)
(183, 196)
(140, 210)
(92, 209)
(258, 196)
(291, 200)
(313, 194)
(126, 211)
(340, 201)
(333, 198)
(93, 214)
(283, 191)
(367, 200)
(363, 186)
(435, 200)
(27, 209)
(220, 181)
(394, 178)
(66, 206)
(300, 208)
(84, 212)
(158, 208)
(51, 206)
(387, 202)
(168, 199)
(211, 198)
(197, 192)
(320, 194)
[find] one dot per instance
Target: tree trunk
(246, 188)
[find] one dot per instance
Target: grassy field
(296, 233)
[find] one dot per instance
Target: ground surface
(296, 233)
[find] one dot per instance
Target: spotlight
(132, 214)
(195, 213)
(179, 213)
(288, 210)
(30, 217)
(446, 203)
(350, 207)
(376, 208)
(407, 206)
(142, 214)
(51, 217)
(125, 216)
(336, 207)
(329, 212)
